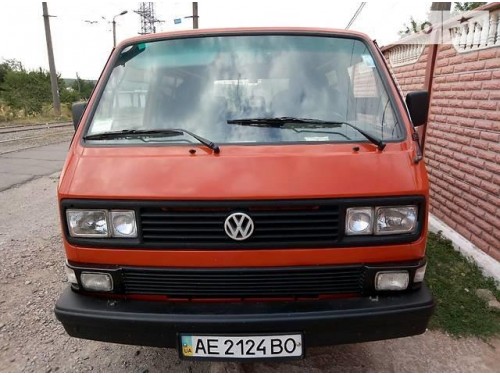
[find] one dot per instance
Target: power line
(355, 15)
(148, 19)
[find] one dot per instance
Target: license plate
(269, 346)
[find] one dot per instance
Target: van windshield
(199, 84)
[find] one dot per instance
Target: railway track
(64, 132)
(18, 137)
(9, 129)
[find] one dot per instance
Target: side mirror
(418, 106)
(77, 110)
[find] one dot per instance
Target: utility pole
(78, 83)
(195, 14)
(52, 66)
(114, 32)
(439, 11)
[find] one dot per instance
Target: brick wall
(411, 77)
(463, 139)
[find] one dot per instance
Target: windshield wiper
(158, 133)
(281, 122)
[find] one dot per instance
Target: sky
(83, 47)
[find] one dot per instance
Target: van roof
(244, 31)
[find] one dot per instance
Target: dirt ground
(31, 339)
(10, 142)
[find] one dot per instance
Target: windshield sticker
(100, 126)
(317, 139)
(368, 60)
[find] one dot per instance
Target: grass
(39, 119)
(11, 116)
(454, 280)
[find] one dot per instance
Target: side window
(370, 102)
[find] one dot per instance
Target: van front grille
(277, 225)
(244, 283)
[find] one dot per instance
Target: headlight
(393, 220)
(101, 223)
(359, 221)
(123, 223)
(87, 223)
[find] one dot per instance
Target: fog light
(419, 274)
(70, 275)
(392, 280)
(97, 282)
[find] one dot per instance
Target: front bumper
(328, 322)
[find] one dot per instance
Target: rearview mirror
(77, 110)
(418, 106)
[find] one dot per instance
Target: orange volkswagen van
(245, 193)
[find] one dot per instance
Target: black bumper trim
(321, 322)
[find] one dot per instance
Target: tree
(26, 90)
(7, 66)
(13, 64)
(82, 87)
(3, 72)
(464, 7)
(29, 91)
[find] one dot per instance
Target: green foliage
(28, 92)
(3, 72)
(464, 7)
(69, 96)
(82, 87)
(8, 66)
(14, 64)
(454, 281)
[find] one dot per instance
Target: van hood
(241, 172)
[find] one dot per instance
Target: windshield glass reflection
(200, 83)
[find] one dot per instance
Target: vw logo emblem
(239, 226)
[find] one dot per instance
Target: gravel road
(34, 137)
(31, 339)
